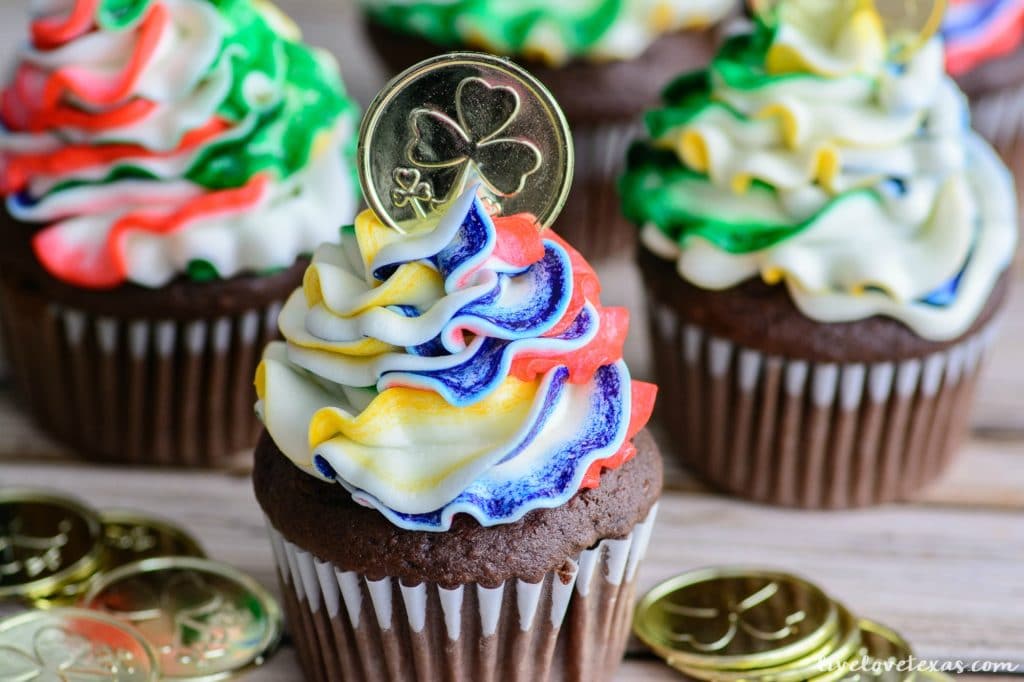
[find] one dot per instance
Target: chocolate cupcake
(985, 53)
(168, 168)
(825, 244)
(604, 62)
(455, 474)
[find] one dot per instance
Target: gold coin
(823, 664)
(460, 119)
(46, 541)
(883, 655)
(130, 537)
(735, 619)
(127, 537)
(207, 621)
(910, 24)
(72, 645)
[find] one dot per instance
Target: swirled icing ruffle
(467, 369)
(856, 183)
(978, 30)
(151, 138)
(551, 31)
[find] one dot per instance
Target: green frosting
(114, 15)
(275, 135)
(658, 189)
(570, 29)
(506, 24)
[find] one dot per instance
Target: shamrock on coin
(732, 619)
(473, 141)
(62, 656)
(411, 189)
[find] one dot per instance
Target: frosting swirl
(978, 30)
(803, 157)
(548, 31)
(468, 368)
(152, 138)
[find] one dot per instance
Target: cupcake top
(552, 32)
(804, 156)
(146, 139)
(977, 31)
(465, 368)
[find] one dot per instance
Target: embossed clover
(205, 620)
(46, 551)
(732, 618)
(410, 187)
(61, 656)
(474, 139)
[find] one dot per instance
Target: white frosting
(186, 79)
(828, 149)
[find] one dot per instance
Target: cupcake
(604, 62)
(168, 167)
(985, 53)
(454, 470)
(825, 245)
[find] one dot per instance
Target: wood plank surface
(949, 578)
(947, 571)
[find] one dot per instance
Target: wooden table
(947, 570)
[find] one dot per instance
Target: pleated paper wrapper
(572, 626)
(139, 390)
(796, 433)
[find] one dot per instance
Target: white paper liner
(806, 434)
(140, 390)
(571, 625)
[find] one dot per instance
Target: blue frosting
(506, 312)
(499, 497)
(970, 21)
(508, 317)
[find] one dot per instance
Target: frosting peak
(802, 157)
(465, 368)
(553, 32)
(152, 138)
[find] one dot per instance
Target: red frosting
(520, 243)
(997, 37)
(80, 266)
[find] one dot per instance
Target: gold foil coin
(823, 664)
(74, 645)
(127, 537)
(736, 619)
(883, 655)
(460, 119)
(205, 620)
(46, 542)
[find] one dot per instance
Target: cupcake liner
(572, 625)
(138, 390)
(592, 220)
(798, 433)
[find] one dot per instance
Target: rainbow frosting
(552, 32)
(978, 30)
(804, 157)
(153, 138)
(467, 368)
